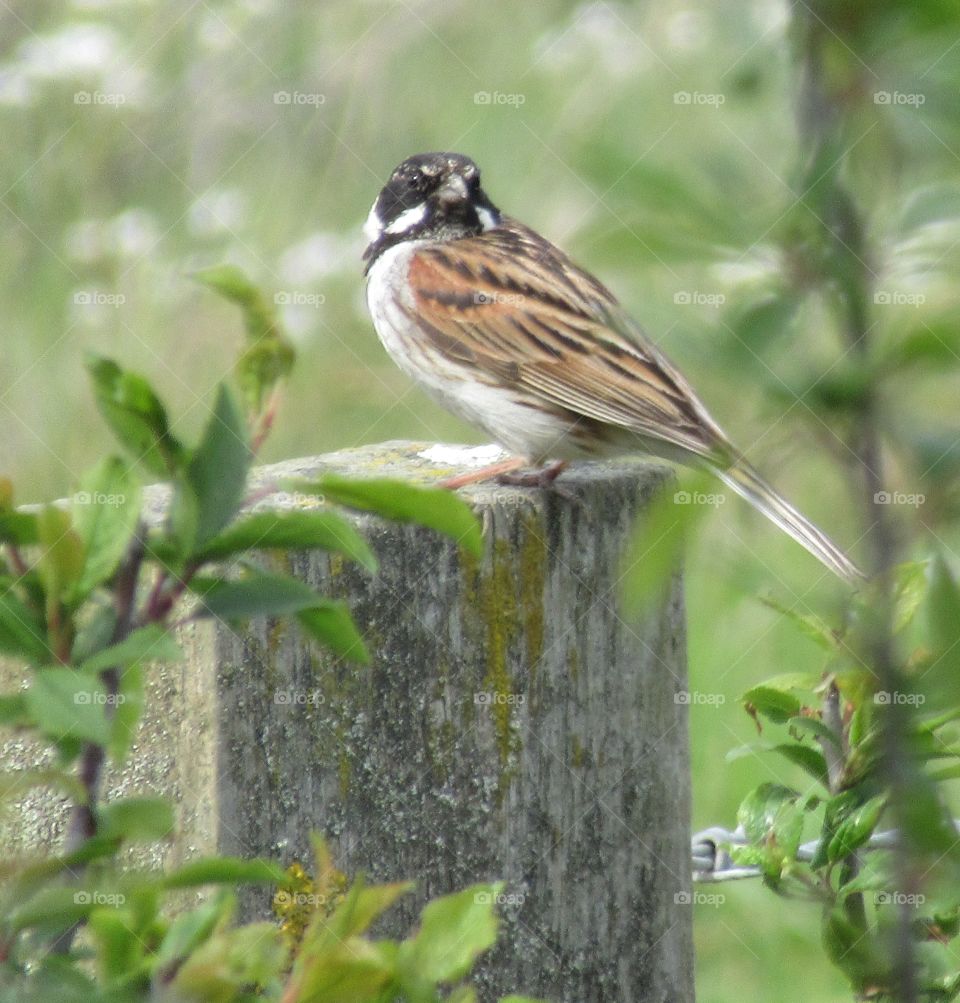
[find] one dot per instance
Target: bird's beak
(452, 190)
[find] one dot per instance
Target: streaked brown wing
(514, 306)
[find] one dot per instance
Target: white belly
(517, 427)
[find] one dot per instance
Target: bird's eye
(415, 180)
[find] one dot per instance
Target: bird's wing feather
(512, 305)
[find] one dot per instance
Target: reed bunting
(503, 329)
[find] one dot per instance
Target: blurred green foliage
(656, 142)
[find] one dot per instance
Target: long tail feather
(743, 479)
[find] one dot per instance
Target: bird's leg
(505, 472)
(501, 469)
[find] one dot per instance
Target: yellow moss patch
(533, 576)
(507, 594)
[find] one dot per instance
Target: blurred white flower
(133, 233)
(598, 34)
(85, 241)
(76, 50)
(686, 31)
(761, 264)
(257, 7)
(130, 234)
(926, 247)
(90, 53)
(772, 15)
(14, 86)
(218, 211)
(215, 32)
(318, 255)
(299, 322)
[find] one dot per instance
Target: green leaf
(861, 725)
(217, 472)
(136, 417)
(291, 531)
(926, 821)
(142, 818)
(262, 366)
(14, 710)
(15, 783)
(435, 508)
(232, 283)
(23, 633)
(119, 950)
(837, 808)
(127, 715)
(330, 623)
(876, 874)
(357, 911)
(453, 931)
(862, 957)
(99, 626)
(758, 809)
(61, 557)
(941, 681)
(270, 355)
(363, 905)
(809, 624)
(231, 960)
(69, 704)
(773, 821)
(152, 643)
(106, 509)
(910, 586)
(787, 831)
(225, 871)
(806, 682)
(753, 325)
(929, 344)
(18, 527)
(349, 971)
(259, 594)
(855, 829)
(654, 552)
(810, 725)
(801, 755)
(50, 910)
(806, 758)
(190, 929)
(776, 704)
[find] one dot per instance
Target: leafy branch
(91, 595)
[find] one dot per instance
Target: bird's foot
(545, 478)
(542, 478)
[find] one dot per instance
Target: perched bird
(503, 329)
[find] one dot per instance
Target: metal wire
(712, 861)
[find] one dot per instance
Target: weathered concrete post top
(512, 725)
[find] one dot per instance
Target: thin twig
(83, 817)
